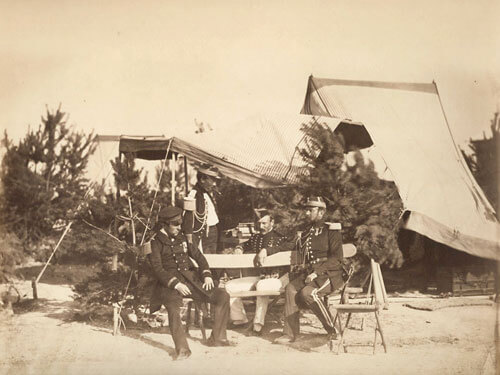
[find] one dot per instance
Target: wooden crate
(472, 280)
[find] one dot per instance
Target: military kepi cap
(170, 213)
(209, 171)
(261, 213)
(315, 201)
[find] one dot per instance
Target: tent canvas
(408, 126)
(263, 153)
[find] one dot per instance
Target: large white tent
(407, 124)
(408, 127)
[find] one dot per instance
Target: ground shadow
(310, 339)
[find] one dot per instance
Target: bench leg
(279, 319)
(379, 326)
(348, 319)
(188, 317)
(202, 310)
(342, 332)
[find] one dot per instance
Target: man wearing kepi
(263, 243)
(319, 272)
(176, 278)
(201, 222)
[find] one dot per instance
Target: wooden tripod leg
(381, 333)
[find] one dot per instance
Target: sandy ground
(454, 340)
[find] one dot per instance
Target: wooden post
(172, 181)
(35, 291)
(186, 178)
(114, 259)
(116, 315)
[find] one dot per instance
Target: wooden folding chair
(375, 302)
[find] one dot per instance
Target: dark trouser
(298, 295)
(210, 242)
(218, 298)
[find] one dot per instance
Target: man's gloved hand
(260, 257)
(310, 278)
(208, 283)
(183, 289)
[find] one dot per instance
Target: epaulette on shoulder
(334, 226)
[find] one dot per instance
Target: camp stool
(376, 302)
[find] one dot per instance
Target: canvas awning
(262, 152)
(407, 125)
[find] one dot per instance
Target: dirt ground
(447, 340)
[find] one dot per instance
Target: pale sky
(151, 67)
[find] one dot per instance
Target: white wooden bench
(242, 261)
(246, 261)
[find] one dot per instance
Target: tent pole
(114, 259)
(172, 168)
(186, 175)
(461, 159)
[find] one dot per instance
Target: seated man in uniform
(176, 278)
(320, 272)
(266, 242)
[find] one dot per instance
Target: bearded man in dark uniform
(177, 278)
(319, 272)
(263, 243)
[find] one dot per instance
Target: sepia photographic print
(249, 187)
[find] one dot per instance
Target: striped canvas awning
(261, 152)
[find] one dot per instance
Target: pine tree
(43, 178)
(484, 162)
(368, 208)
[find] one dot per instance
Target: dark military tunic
(320, 251)
(270, 241)
(273, 242)
(171, 265)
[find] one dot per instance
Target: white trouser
(244, 284)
